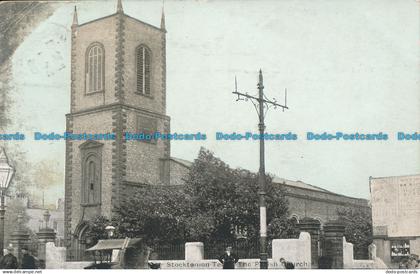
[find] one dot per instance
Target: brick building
(395, 217)
(118, 85)
(305, 200)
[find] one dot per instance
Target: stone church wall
(319, 205)
(179, 173)
(80, 125)
(143, 164)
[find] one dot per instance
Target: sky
(349, 66)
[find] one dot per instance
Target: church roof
(182, 162)
(300, 184)
(276, 179)
(120, 11)
(125, 15)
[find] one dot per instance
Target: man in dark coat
(28, 261)
(9, 261)
(228, 259)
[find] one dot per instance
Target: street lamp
(6, 175)
(110, 230)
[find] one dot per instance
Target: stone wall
(55, 258)
(94, 122)
(297, 251)
(143, 158)
(350, 263)
(214, 264)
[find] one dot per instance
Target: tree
(358, 230)
(96, 229)
(46, 176)
(22, 177)
(215, 203)
(281, 228)
(225, 201)
(156, 213)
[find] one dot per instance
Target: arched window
(95, 68)
(91, 180)
(143, 63)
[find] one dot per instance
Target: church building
(118, 85)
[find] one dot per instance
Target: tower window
(95, 68)
(143, 58)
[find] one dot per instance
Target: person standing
(228, 259)
(9, 261)
(28, 261)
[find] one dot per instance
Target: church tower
(118, 85)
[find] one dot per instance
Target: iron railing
(168, 252)
(244, 249)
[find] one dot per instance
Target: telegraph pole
(261, 104)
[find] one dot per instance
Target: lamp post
(6, 175)
(261, 104)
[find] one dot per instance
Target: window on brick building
(143, 69)
(95, 65)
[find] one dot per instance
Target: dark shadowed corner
(19, 19)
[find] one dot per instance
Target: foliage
(226, 201)
(157, 214)
(358, 230)
(281, 228)
(30, 180)
(96, 230)
(21, 179)
(47, 176)
(215, 203)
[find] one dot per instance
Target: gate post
(19, 238)
(334, 233)
(45, 235)
(313, 227)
